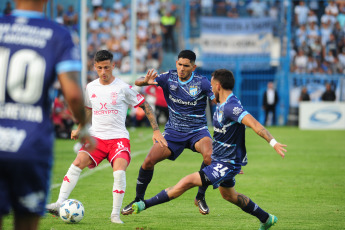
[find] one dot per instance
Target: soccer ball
(71, 211)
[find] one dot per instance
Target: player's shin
(160, 198)
(119, 189)
(69, 182)
(202, 189)
(255, 210)
(144, 178)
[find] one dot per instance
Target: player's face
(104, 71)
(215, 88)
(184, 68)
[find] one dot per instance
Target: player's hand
(85, 138)
(75, 134)
(158, 137)
(279, 148)
(150, 77)
(241, 172)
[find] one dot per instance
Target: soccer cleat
(53, 208)
(115, 219)
(269, 223)
(138, 207)
(203, 208)
(128, 209)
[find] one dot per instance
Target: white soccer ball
(72, 211)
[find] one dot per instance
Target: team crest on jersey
(113, 96)
(193, 90)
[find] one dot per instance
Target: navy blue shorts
(220, 173)
(24, 187)
(178, 141)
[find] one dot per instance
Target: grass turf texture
(305, 190)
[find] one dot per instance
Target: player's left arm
(157, 135)
(251, 122)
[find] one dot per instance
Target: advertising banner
(322, 115)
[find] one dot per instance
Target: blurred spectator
(70, 18)
(304, 95)
(332, 8)
(207, 7)
(96, 4)
(311, 64)
(301, 13)
(168, 23)
(60, 14)
(257, 8)
(300, 62)
(329, 94)
(8, 8)
(62, 118)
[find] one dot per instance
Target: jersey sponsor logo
(237, 110)
(93, 96)
(193, 90)
(223, 130)
(103, 105)
(66, 179)
(113, 96)
(179, 101)
(220, 116)
(139, 96)
(119, 192)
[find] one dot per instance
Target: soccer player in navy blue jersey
(186, 93)
(229, 153)
(33, 50)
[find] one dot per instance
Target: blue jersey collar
(27, 14)
(185, 82)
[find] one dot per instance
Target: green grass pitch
(305, 190)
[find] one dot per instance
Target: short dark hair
(103, 55)
(225, 78)
(187, 54)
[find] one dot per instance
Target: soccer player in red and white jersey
(107, 99)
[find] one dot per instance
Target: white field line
(101, 167)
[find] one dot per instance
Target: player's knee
(149, 164)
(229, 197)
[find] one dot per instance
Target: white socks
(69, 181)
(119, 188)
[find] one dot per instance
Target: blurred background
(295, 48)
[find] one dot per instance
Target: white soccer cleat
(116, 219)
(53, 208)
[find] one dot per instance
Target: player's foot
(269, 223)
(128, 209)
(53, 208)
(114, 218)
(203, 208)
(138, 207)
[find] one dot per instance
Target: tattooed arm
(251, 122)
(157, 135)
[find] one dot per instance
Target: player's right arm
(149, 79)
(251, 122)
(74, 97)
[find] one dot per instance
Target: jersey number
(26, 70)
(219, 168)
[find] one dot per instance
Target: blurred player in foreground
(186, 94)
(229, 153)
(32, 51)
(107, 99)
